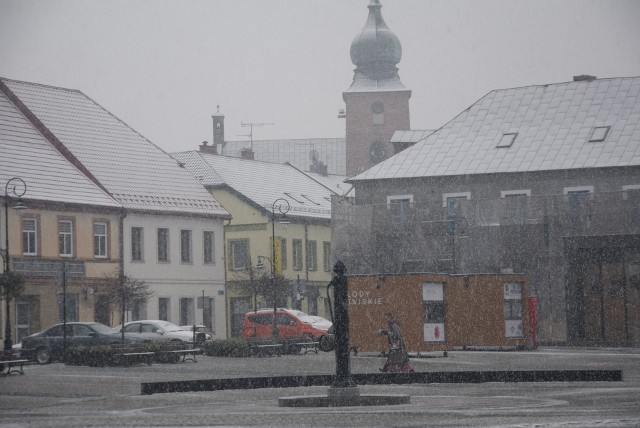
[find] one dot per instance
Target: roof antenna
(250, 126)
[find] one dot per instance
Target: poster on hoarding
(434, 311)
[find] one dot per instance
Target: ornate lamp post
(17, 187)
(283, 208)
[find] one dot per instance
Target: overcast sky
(163, 66)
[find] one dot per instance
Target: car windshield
(102, 329)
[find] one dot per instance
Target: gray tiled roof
(553, 123)
(49, 176)
(331, 151)
(137, 173)
(410, 136)
(261, 182)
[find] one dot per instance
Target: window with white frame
(515, 202)
(400, 209)
(451, 201)
(65, 238)
(208, 243)
(137, 244)
(100, 240)
(578, 208)
(29, 236)
(185, 246)
(163, 245)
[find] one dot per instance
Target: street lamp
(260, 266)
(283, 208)
(17, 187)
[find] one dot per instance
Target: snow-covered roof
(261, 182)
(49, 176)
(137, 173)
(574, 125)
(410, 136)
(297, 152)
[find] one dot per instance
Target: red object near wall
(533, 320)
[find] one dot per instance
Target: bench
(173, 352)
(306, 347)
(262, 349)
(132, 354)
(13, 362)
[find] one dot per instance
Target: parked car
(156, 331)
(199, 329)
(320, 322)
(47, 345)
(292, 324)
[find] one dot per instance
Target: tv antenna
(250, 126)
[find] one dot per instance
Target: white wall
(175, 279)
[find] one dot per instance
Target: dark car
(47, 345)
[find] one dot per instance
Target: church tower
(377, 103)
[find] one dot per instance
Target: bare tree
(123, 290)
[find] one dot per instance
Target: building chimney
(584, 78)
(206, 148)
(247, 153)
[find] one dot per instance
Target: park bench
(306, 347)
(129, 354)
(261, 349)
(12, 361)
(173, 352)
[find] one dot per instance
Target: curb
(149, 388)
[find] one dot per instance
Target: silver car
(156, 331)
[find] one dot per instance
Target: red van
(292, 325)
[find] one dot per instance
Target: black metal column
(341, 297)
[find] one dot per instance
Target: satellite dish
(314, 156)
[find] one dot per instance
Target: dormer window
(599, 134)
(507, 140)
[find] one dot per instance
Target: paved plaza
(64, 396)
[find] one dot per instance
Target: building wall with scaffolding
(575, 235)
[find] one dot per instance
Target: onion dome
(376, 50)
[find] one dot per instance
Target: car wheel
(43, 356)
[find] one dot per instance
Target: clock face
(377, 152)
(377, 107)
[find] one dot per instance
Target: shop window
(434, 311)
(71, 301)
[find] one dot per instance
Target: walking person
(398, 358)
